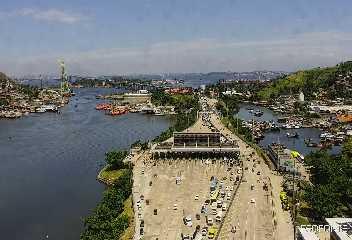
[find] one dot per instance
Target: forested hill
(331, 82)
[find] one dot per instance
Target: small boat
(158, 112)
(292, 135)
(258, 113)
(50, 108)
(40, 110)
(312, 144)
(133, 110)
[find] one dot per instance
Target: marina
(296, 138)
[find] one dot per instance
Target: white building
(341, 228)
(301, 97)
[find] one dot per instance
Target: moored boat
(292, 135)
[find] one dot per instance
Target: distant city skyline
(160, 36)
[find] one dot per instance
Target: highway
(253, 211)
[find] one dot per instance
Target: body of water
(280, 136)
(49, 163)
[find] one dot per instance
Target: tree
(115, 159)
(324, 199)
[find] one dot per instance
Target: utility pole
(294, 199)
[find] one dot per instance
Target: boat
(116, 111)
(40, 110)
(50, 108)
(258, 113)
(292, 135)
(103, 106)
(133, 110)
(158, 112)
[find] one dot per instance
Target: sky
(159, 36)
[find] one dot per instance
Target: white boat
(51, 108)
(40, 110)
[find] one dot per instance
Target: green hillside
(333, 81)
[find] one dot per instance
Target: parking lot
(166, 210)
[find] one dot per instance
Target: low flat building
(189, 142)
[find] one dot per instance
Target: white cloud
(49, 15)
(204, 55)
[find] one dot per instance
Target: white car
(252, 200)
(175, 206)
(196, 197)
(231, 188)
(210, 221)
(188, 221)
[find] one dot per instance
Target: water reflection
(49, 165)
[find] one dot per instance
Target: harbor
(270, 128)
(52, 160)
(18, 100)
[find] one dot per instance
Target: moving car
(188, 221)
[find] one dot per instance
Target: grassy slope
(109, 176)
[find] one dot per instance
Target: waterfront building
(142, 96)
